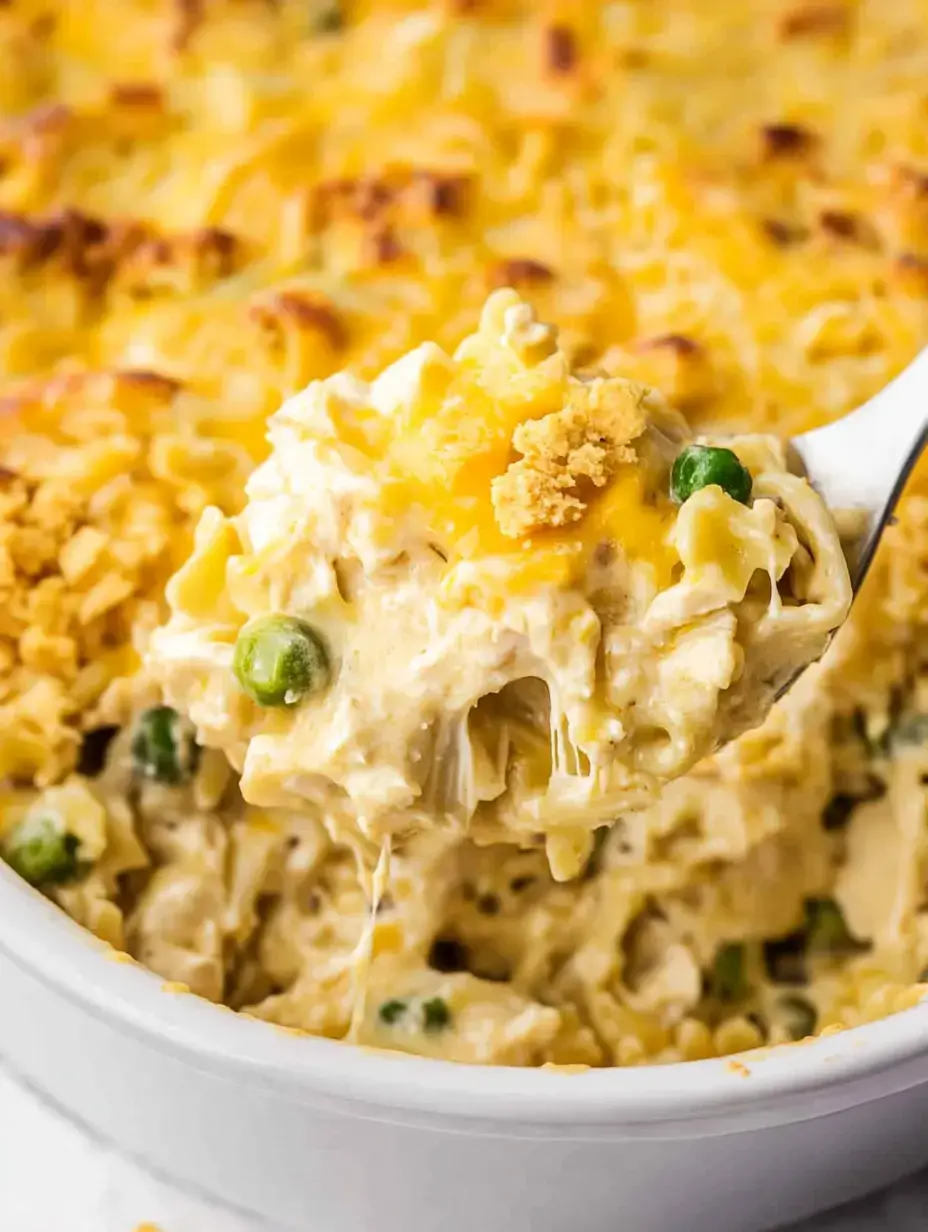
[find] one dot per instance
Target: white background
(54, 1178)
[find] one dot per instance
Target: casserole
(747, 251)
(760, 264)
(310, 1133)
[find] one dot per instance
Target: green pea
(42, 851)
(799, 1016)
(435, 1014)
(700, 466)
(729, 975)
(280, 659)
(164, 747)
(392, 1011)
(826, 930)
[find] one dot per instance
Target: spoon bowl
(861, 463)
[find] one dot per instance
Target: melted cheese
(364, 950)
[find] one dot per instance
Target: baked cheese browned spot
(786, 141)
(520, 272)
(910, 274)
(847, 227)
(815, 20)
(678, 366)
(302, 312)
(567, 454)
(94, 252)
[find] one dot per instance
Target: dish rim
(43, 941)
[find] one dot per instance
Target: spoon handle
(862, 461)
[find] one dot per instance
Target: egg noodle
(206, 206)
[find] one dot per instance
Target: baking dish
(313, 1134)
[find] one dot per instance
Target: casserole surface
(733, 208)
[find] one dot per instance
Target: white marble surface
(54, 1178)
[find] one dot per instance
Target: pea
(826, 930)
(163, 746)
(435, 1014)
(799, 1016)
(700, 466)
(42, 851)
(279, 660)
(392, 1011)
(729, 978)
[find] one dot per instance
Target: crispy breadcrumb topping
(93, 520)
(568, 454)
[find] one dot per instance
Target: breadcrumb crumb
(567, 454)
(98, 495)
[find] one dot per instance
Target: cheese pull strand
(364, 950)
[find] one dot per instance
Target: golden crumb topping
(96, 499)
(567, 454)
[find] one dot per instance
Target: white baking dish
(321, 1136)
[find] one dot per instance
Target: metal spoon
(861, 462)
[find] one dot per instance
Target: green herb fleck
(729, 975)
(42, 851)
(701, 466)
(392, 1011)
(435, 1014)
